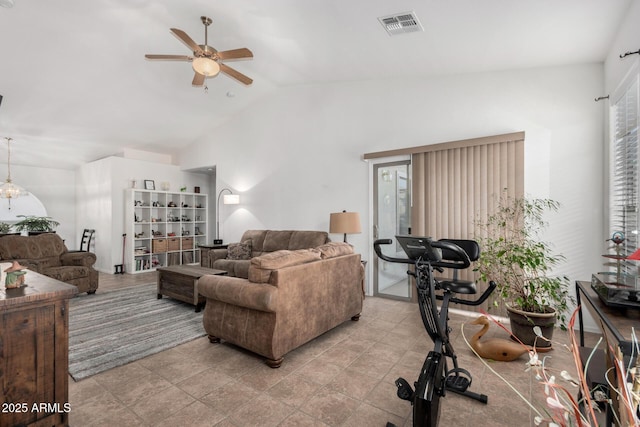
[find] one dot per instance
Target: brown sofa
(235, 259)
(289, 298)
(47, 254)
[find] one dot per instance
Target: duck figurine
(496, 348)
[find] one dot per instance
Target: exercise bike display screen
(419, 247)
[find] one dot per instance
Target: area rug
(112, 328)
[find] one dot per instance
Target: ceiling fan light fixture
(206, 66)
(206, 60)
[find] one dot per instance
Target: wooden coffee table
(181, 282)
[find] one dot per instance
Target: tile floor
(343, 378)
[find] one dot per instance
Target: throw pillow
(239, 251)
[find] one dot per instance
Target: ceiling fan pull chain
(206, 89)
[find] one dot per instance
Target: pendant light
(8, 190)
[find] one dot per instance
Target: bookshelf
(163, 228)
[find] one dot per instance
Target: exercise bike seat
(455, 285)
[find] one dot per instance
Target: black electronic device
(419, 248)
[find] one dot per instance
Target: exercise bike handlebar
(376, 247)
(461, 260)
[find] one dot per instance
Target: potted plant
(5, 228)
(514, 256)
(36, 224)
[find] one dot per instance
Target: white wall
(627, 40)
(296, 156)
(55, 188)
(100, 199)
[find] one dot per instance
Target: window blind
(454, 184)
(623, 188)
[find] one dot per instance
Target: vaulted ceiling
(77, 87)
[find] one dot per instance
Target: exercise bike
(435, 379)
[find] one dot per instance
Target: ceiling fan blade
(170, 57)
(235, 54)
(235, 74)
(198, 79)
(186, 39)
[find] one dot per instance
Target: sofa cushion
(50, 261)
(233, 267)
(262, 266)
(334, 249)
(238, 251)
(307, 239)
(256, 237)
(276, 240)
(31, 247)
(66, 274)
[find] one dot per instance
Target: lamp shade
(205, 66)
(345, 223)
(231, 199)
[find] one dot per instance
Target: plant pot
(523, 322)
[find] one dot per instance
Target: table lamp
(345, 222)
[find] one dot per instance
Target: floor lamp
(345, 222)
(227, 199)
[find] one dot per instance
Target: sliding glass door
(392, 216)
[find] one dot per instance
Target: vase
(523, 322)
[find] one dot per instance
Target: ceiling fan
(207, 61)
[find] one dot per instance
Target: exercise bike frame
(435, 378)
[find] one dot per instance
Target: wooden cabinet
(163, 229)
(34, 348)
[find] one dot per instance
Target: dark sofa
(47, 254)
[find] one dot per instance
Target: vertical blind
(454, 185)
(623, 187)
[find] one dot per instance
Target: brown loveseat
(236, 258)
(290, 298)
(47, 254)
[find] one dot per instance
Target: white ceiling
(77, 87)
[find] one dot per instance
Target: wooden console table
(34, 352)
(614, 323)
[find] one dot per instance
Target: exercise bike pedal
(405, 391)
(456, 382)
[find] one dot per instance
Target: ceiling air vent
(401, 23)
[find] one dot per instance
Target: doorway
(391, 216)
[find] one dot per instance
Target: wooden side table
(34, 352)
